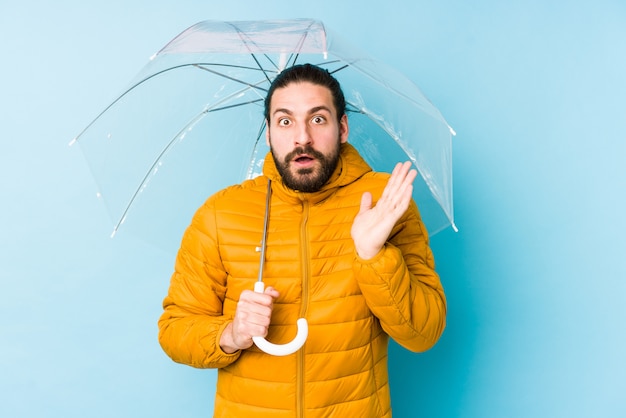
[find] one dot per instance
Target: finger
(272, 292)
(264, 299)
(245, 329)
(397, 179)
(407, 183)
(404, 200)
(392, 182)
(405, 189)
(400, 170)
(404, 172)
(248, 322)
(403, 178)
(399, 199)
(259, 319)
(252, 305)
(366, 202)
(248, 309)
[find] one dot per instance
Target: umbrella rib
(217, 64)
(293, 56)
(301, 43)
(254, 150)
(180, 134)
(246, 41)
(340, 68)
(241, 33)
(128, 90)
(393, 135)
(144, 181)
(233, 105)
(435, 114)
(200, 66)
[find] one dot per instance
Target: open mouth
(303, 159)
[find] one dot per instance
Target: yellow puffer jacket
(352, 305)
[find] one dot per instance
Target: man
(346, 249)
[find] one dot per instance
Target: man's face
(304, 135)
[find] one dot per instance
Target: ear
(343, 128)
(267, 132)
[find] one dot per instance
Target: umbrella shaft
(265, 224)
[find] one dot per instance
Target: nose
(303, 136)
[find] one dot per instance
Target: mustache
(308, 150)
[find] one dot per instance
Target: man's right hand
(252, 319)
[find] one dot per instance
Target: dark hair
(312, 74)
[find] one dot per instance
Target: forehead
(298, 96)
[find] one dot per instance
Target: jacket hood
(350, 167)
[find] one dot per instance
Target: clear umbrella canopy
(192, 122)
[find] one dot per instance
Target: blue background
(535, 276)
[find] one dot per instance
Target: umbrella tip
(282, 62)
(452, 131)
(72, 142)
(117, 226)
(454, 228)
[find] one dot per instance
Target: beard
(307, 180)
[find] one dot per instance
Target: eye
(284, 122)
(318, 120)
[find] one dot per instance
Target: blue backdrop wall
(535, 276)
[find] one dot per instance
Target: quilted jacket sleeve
(192, 322)
(402, 288)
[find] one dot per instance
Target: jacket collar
(351, 167)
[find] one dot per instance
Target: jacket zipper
(305, 253)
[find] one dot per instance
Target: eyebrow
(310, 111)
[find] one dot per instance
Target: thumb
(366, 202)
(272, 292)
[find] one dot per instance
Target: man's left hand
(372, 225)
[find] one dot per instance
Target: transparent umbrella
(191, 123)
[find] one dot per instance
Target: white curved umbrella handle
(282, 349)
